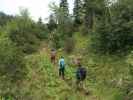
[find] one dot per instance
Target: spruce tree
(89, 12)
(64, 21)
(64, 7)
(94, 10)
(77, 12)
(40, 20)
(52, 23)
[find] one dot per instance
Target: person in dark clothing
(80, 75)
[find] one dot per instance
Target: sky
(37, 8)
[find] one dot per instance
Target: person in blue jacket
(62, 67)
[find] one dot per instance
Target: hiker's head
(52, 49)
(78, 61)
(62, 57)
(79, 65)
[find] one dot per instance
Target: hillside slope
(44, 83)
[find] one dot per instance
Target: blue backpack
(62, 64)
(81, 73)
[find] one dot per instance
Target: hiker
(62, 67)
(80, 76)
(53, 56)
(78, 61)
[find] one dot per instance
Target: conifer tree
(64, 7)
(77, 12)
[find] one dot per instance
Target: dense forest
(98, 31)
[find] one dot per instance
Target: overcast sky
(37, 8)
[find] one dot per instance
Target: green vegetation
(99, 31)
(12, 68)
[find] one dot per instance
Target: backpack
(62, 64)
(81, 73)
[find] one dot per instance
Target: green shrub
(12, 68)
(69, 45)
(21, 32)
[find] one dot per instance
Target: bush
(40, 30)
(12, 68)
(21, 32)
(69, 45)
(83, 30)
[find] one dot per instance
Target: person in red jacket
(53, 56)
